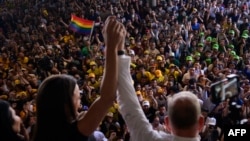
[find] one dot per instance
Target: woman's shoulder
(76, 135)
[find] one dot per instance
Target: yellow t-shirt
(160, 79)
(21, 94)
(23, 61)
(114, 109)
(5, 63)
(146, 74)
(96, 84)
(97, 71)
(66, 38)
(175, 73)
(92, 98)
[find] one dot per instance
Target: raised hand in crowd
(63, 116)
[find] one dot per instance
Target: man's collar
(178, 138)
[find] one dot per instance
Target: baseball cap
(215, 46)
(158, 73)
(159, 58)
(92, 63)
(231, 46)
(211, 121)
(200, 44)
(245, 31)
(145, 103)
(194, 10)
(91, 75)
(233, 53)
(171, 65)
(171, 54)
(17, 81)
(146, 52)
(133, 65)
(236, 57)
(244, 35)
(231, 32)
(209, 38)
(208, 60)
(214, 40)
(201, 34)
(131, 52)
(189, 58)
(131, 38)
(197, 54)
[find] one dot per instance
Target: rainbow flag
(80, 25)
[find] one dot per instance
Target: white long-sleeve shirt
(139, 127)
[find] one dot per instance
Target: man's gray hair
(184, 109)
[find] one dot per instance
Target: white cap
(211, 121)
(131, 52)
(145, 103)
(171, 54)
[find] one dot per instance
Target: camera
(226, 88)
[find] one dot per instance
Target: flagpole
(91, 31)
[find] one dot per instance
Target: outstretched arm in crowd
(130, 108)
(61, 21)
(98, 40)
(78, 6)
(113, 33)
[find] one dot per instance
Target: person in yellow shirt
(100, 64)
(142, 74)
(93, 96)
(152, 72)
(67, 37)
(160, 62)
(93, 82)
(22, 59)
(94, 69)
(4, 60)
(159, 77)
(139, 96)
(140, 90)
(227, 24)
(30, 91)
(173, 70)
(114, 109)
(132, 42)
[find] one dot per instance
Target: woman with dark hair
(11, 127)
(58, 97)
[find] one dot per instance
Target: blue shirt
(196, 26)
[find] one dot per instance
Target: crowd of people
(174, 45)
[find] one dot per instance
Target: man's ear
(201, 122)
(167, 124)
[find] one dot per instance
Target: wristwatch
(120, 52)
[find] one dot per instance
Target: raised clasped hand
(114, 33)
